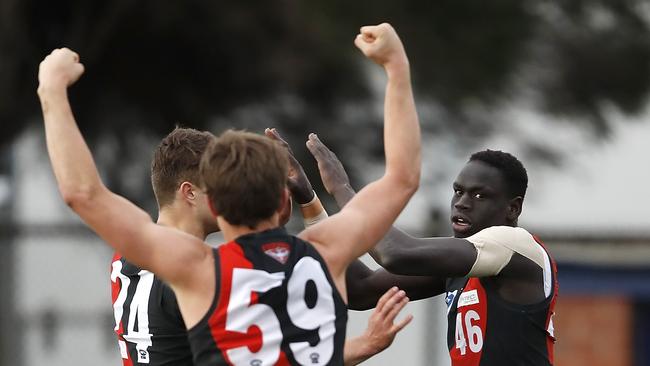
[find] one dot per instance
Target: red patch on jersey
(471, 325)
(278, 251)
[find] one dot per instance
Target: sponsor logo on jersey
(468, 298)
(278, 251)
(314, 356)
(143, 356)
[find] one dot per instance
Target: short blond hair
(244, 175)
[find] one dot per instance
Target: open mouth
(460, 224)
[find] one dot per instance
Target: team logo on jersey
(278, 251)
(450, 299)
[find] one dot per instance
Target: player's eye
(458, 192)
(479, 196)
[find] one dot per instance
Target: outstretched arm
(397, 252)
(365, 286)
(381, 329)
(366, 218)
(123, 225)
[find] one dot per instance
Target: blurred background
(562, 85)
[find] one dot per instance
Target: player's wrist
(398, 68)
(313, 211)
(303, 196)
(51, 89)
(367, 347)
(342, 193)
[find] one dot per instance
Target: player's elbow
(394, 262)
(406, 183)
(77, 197)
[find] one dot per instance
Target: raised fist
(59, 69)
(381, 44)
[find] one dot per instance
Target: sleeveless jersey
(149, 326)
(486, 330)
(275, 304)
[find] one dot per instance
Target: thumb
(369, 32)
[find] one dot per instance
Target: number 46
(474, 333)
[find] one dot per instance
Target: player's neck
(182, 221)
(232, 232)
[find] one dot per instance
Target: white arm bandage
(313, 220)
(313, 211)
(495, 246)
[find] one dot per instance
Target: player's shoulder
(504, 235)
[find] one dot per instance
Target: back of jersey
(275, 304)
(149, 326)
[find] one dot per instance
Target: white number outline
(474, 332)
(241, 314)
(139, 307)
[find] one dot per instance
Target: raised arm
(299, 185)
(397, 251)
(121, 224)
(366, 218)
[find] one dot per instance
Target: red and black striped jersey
(486, 330)
(148, 323)
(275, 304)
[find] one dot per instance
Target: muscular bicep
(366, 286)
(164, 251)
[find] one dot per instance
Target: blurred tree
(291, 63)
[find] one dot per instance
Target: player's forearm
(388, 250)
(362, 294)
(72, 162)
(401, 126)
(356, 351)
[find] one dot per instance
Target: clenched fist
(381, 44)
(59, 69)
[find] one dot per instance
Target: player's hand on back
(331, 170)
(59, 69)
(298, 183)
(381, 44)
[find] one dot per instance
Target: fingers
(396, 307)
(60, 69)
(369, 32)
(316, 147)
(80, 68)
(393, 303)
(71, 53)
(65, 52)
(273, 134)
(398, 327)
(385, 297)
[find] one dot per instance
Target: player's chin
(461, 231)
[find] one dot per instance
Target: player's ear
(514, 208)
(188, 191)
